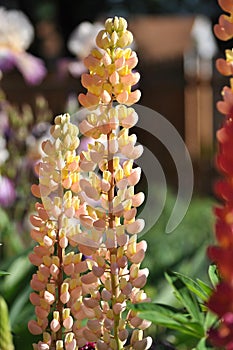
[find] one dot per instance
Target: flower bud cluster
(221, 300)
(56, 283)
(110, 76)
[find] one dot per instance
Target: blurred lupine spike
(6, 340)
(89, 205)
(221, 300)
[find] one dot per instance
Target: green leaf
(201, 289)
(206, 289)
(20, 273)
(19, 303)
(4, 273)
(213, 275)
(210, 319)
(189, 300)
(167, 316)
(201, 345)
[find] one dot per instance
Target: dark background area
(67, 14)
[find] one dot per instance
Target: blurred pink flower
(7, 192)
(16, 35)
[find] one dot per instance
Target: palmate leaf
(184, 287)
(170, 317)
(198, 287)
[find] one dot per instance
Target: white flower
(16, 35)
(16, 31)
(4, 154)
(82, 39)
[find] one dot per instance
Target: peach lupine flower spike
(86, 230)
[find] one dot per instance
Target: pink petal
(31, 67)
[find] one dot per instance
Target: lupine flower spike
(87, 254)
(221, 300)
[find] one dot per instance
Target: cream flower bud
(126, 39)
(59, 345)
(109, 25)
(114, 38)
(102, 40)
